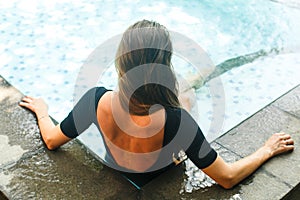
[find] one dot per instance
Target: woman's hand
(36, 105)
(279, 143)
(51, 133)
(229, 174)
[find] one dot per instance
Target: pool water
(43, 45)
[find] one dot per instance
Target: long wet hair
(143, 63)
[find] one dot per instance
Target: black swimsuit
(181, 132)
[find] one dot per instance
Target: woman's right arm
(79, 119)
(229, 174)
(52, 134)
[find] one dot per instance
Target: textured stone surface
(18, 124)
(250, 135)
(8, 153)
(285, 167)
(263, 186)
(280, 172)
(290, 102)
(67, 173)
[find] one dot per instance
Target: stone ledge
(71, 172)
(251, 134)
(290, 102)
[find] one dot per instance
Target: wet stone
(8, 153)
(17, 123)
(181, 182)
(64, 174)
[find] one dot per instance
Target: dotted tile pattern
(43, 45)
(246, 90)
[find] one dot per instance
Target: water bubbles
(195, 178)
(236, 197)
(188, 187)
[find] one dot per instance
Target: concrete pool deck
(29, 171)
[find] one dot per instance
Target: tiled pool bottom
(248, 89)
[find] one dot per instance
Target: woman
(140, 137)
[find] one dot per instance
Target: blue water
(43, 44)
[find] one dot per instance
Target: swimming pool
(43, 45)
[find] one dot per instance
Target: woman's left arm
(51, 133)
(230, 174)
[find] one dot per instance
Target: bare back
(134, 141)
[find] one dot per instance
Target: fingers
(282, 136)
(289, 147)
(285, 139)
(27, 102)
(280, 143)
(289, 142)
(285, 136)
(27, 99)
